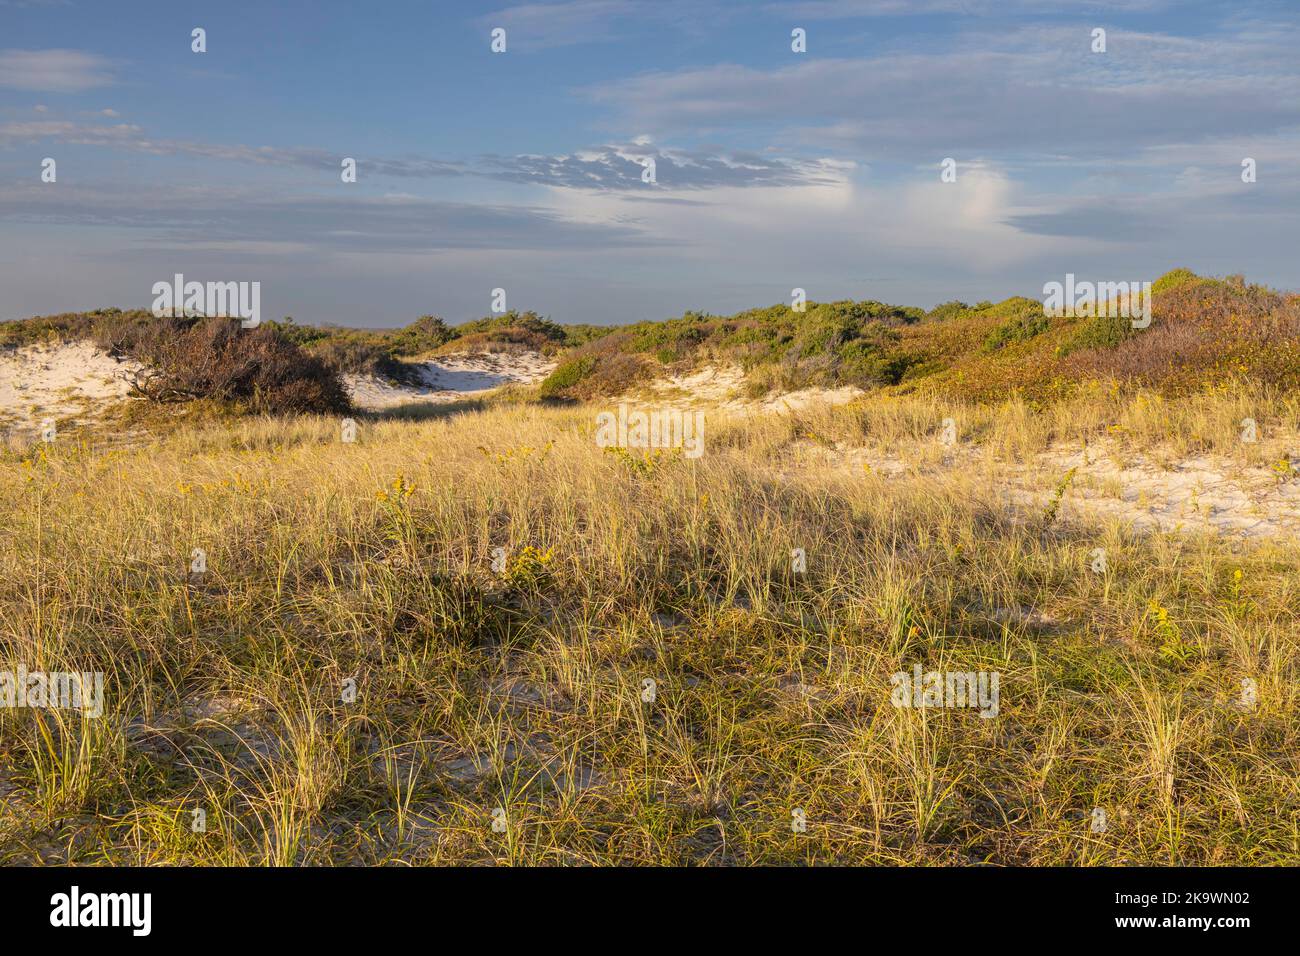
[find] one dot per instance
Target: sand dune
(723, 387)
(58, 380)
(76, 380)
(450, 378)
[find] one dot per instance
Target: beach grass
(473, 636)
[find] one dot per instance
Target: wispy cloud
(601, 167)
(542, 26)
(1029, 91)
(132, 138)
(1197, 207)
(539, 26)
(622, 167)
(241, 216)
(54, 71)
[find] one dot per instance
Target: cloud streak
(1031, 92)
(541, 26)
(54, 71)
(394, 224)
(603, 167)
(622, 167)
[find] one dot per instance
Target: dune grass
(359, 676)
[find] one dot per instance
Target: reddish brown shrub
(1204, 332)
(215, 358)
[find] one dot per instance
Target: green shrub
(677, 336)
(497, 324)
(581, 333)
(1173, 279)
(66, 327)
(870, 310)
(425, 334)
(824, 334)
(1099, 332)
(866, 365)
(566, 376)
(947, 310)
(1019, 329)
(357, 352)
(302, 335)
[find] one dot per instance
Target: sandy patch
(1201, 494)
(723, 388)
(57, 381)
(450, 378)
(710, 385)
(1205, 493)
(806, 398)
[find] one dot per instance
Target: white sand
(1202, 494)
(56, 381)
(723, 388)
(450, 378)
(76, 379)
(1208, 493)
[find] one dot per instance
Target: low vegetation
(1205, 333)
(188, 359)
(471, 635)
(388, 353)
(359, 675)
(344, 350)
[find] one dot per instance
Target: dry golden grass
(520, 689)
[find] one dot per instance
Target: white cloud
(536, 26)
(604, 167)
(1030, 91)
(751, 245)
(54, 71)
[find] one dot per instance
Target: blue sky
(522, 170)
